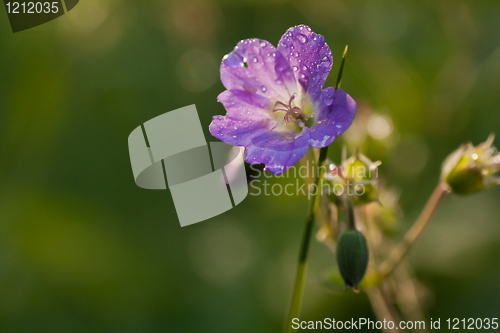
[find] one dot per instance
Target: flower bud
(352, 257)
(359, 175)
(471, 169)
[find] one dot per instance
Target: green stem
(351, 223)
(304, 247)
(306, 239)
(400, 252)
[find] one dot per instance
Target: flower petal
(278, 151)
(246, 118)
(256, 67)
(336, 113)
(308, 55)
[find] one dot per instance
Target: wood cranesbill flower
(275, 102)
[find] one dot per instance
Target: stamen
(289, 110)
(281, 103)
(276, 110)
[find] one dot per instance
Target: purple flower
(275, 102)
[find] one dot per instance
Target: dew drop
(301, 38)
(263, 88)
(295, 68)
(304, 67)
(235, 127)
(329, 100)
(255, 60)
(296, 54)
(263, 44)
(274, 54)
(279, 81)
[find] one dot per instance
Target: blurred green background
(83, 249)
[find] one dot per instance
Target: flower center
(293, 114)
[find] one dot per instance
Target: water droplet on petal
(279, 81)
(295, 54)
(263, 88)
(304, 67)
(263, 44)
(301, 38)
(329, 100)
(274, 54)
(255, 60)
(295, 68)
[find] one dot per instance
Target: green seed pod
(352, 257)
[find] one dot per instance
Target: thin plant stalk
(400, 252)
(298, 288)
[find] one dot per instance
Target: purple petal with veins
(278, 151)
(308, 55)
(252, 66)
(337, 111)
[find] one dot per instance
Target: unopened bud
(352, 257)
(362, 173)
(471, 169)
